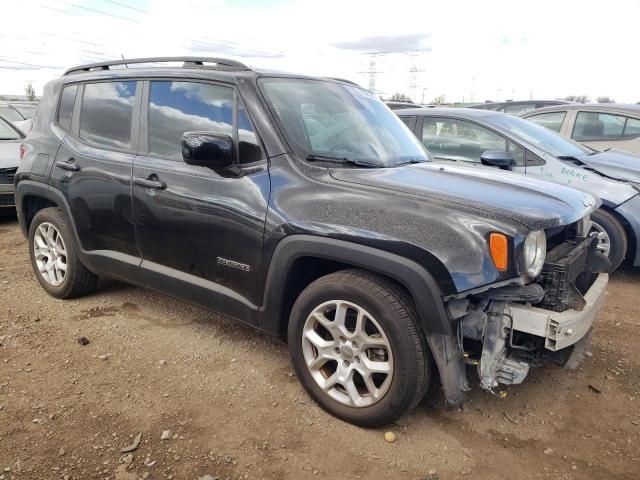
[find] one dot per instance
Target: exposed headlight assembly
(535, 251)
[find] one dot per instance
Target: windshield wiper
(342, 160)
(412, 161)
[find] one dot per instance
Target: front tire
(612, 239)
(53, 256)
(357, 349)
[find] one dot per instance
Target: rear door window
(598, 126)
(107, 112)
(631, 129)
(67, 102)
(552, 120)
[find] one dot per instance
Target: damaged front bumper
(517, 336)
(505, 330)
(560, 329)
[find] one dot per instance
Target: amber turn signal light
(499, 250)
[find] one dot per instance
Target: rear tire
(612, 238)
(344, 330)
(55, 262)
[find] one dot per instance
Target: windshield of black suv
(7, 132)
(338, 122)
(539, 136)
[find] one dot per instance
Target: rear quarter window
(67, 102)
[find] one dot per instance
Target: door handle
(69, 165)
(150, 183)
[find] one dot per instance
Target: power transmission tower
(413, 76)
(372, 71)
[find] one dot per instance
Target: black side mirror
(498, 158)
(213, 150)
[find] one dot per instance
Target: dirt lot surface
(234, 409)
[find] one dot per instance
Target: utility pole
(413, 76)
(372, 71)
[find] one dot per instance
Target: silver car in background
(600, 125)
(10, 140)
(487, 138)
(13, 115)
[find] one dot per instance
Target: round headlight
(535, 250)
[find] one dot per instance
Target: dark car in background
(517, 107)
(599, 125)
(485, 138)
(401, 105)
(304, 207)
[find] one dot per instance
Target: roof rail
(188, 62)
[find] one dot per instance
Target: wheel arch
(300, 259)
(31, 197)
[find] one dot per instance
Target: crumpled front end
(507, 330)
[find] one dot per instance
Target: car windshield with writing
(544, 138)
(339, 123)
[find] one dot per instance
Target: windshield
(10, 114)
(340, 122)
(28, 111)
(7, 132)
(539, 136)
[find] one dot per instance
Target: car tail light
(499, 248)
(23, 150)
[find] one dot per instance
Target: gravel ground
(233, 409)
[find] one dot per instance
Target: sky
(464, 50)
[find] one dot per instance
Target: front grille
(7, 175)
(567, 274)
(7, 200)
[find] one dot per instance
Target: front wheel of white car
(612, 239)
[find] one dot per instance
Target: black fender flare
(26, 188)
(415, 278)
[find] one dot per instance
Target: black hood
(529, 201)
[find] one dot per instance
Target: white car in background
(13, 115)
(601, 126)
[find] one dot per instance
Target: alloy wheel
(347, 353)
(50, 254)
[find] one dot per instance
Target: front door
(200, 230)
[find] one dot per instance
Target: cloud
(392, 43)
(215, 47)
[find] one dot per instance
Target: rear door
(200, 230)
(92, 168)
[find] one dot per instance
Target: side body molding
(416, 279)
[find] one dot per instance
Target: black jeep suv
(304, 207)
